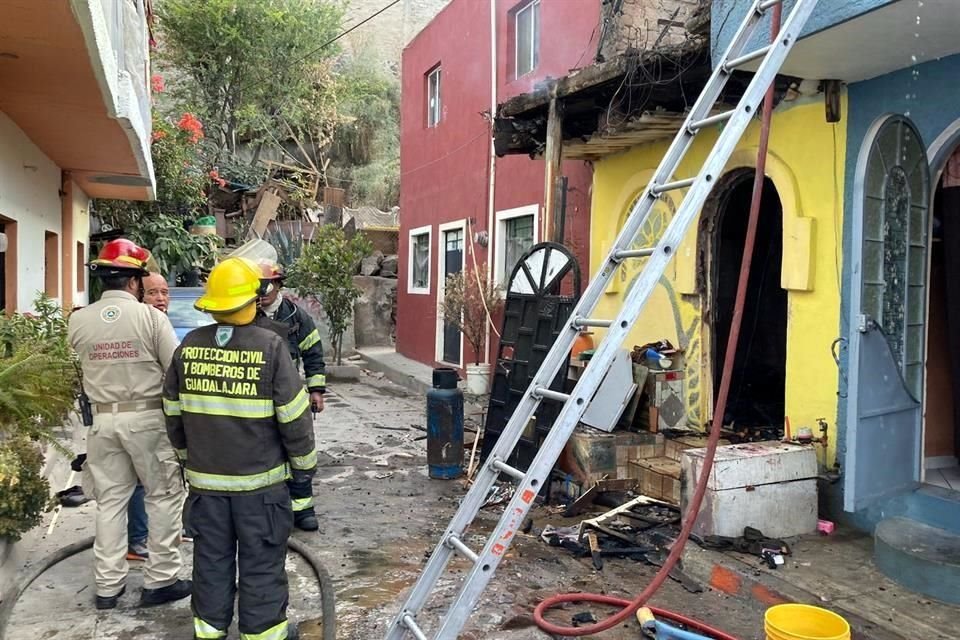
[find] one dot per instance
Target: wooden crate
(659, 478)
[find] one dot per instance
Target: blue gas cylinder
(445, 425)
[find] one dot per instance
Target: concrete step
(922, 558)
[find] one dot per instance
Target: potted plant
(470, 300)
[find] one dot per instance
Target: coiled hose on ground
(323, 577)
(630, 607)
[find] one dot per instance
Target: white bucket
(478, 379)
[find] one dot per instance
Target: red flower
(158, 134)
(215, 176)
(189, 123)
(157, 83)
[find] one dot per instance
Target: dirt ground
(380, 518)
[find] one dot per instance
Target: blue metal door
(890, 236)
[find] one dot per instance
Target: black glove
(77, 463)
(302, 475)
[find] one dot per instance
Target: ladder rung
(766, 4)
(457, 543)
(730, 65)
(672, 186)
(591, 322)
(503, 467)
(548, 394)
(633, 253)
(411, 624)
(712, 120)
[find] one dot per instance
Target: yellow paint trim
(806, 164)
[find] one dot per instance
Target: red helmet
(270, 270)
(120, 257)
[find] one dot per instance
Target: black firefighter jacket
(236, 409)
(304, 343)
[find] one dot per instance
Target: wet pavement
(380, 517)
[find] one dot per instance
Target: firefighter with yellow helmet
(124, 347)
(239, 418)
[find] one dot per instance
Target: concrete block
(770, 486)
(343, 372)
(920, 557)
(753, 464)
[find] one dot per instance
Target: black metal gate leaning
(543, 290)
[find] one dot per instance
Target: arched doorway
(757, 392)
(941, 447)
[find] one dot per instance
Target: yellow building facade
(806, 166)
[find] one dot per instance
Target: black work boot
(176, 591)
(292, 632)
(306, 521)
(109, 602)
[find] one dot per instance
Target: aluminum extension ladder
(485, 562)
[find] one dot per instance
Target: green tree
(325, 270)
(248, 68)
(366, 143)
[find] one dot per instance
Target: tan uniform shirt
(125, 348)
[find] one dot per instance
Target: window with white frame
(419, 261)
(516, 233)
(433, 97)
(527, 38)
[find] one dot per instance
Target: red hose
(630, 607)
(690, 623)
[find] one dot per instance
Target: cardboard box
(659, 478)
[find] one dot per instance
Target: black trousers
(249, 532)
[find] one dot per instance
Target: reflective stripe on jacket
(304, 342)
(236, 410)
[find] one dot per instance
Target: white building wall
(30, 196)
(81, 235)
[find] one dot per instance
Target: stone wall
(640, 24)
(375, 311)
(313, 307)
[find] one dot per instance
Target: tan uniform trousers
(120, 448)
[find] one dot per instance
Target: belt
(126, 407)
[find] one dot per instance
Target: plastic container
(445, 425)
(803, 622)
(583, 342)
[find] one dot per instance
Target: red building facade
(447, 221)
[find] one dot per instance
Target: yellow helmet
(232, 285)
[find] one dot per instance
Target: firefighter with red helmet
(124, 348)
(303, 339)
(239, 417)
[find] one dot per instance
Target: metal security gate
(543, 289)
(890, 237)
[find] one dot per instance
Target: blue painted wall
(728, 14)
(929, 94)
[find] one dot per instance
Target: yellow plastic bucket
(803, 622)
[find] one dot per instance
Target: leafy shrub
(38, 385)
